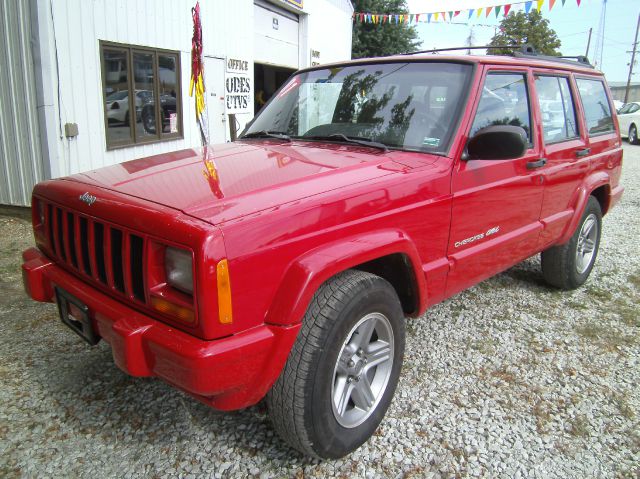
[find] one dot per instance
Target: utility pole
(588, 42)
(633, 59)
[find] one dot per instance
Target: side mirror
(497, 142)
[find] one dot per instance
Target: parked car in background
(363, 193)
(629, 120)
(617, 104)
(118, 105)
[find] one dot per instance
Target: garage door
(276, 35)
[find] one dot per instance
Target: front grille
(98, 251)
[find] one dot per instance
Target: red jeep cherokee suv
(284, 264)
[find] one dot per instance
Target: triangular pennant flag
(539, 6)
(397, 18)
(507, 7)
(479, 12)
(418, 17)
(435, 16)
(563, 2)
(406, 19)
(497, 10)
(361, 17)
(429, 17)
(450, 16)
(456, 13)
(527, 6)
(578, 2)
(551, 2)
(470, 13)
(401, 18)
(487, 11)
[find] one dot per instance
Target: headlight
(178, 268)
(40, 208)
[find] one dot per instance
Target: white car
(629, 120)
(118, 105)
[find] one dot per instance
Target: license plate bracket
(75, 314)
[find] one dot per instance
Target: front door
(496, 203)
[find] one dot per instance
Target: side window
(556, 106)
(633, 108)
(504, 101)
(597, 110)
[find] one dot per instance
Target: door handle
(584, 152)
(531, 165)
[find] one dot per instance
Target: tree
(531, 28)
(380, 39)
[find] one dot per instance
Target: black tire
(301, 402)
(126, 118)
(149, 120)
(560, 264)
(633, 135)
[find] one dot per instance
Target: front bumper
(228, 373)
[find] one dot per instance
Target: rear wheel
(633, 135)
(568, 266)
(343, 369)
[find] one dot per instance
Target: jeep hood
(228, 181)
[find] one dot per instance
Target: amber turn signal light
(174, 310)
(225, 315)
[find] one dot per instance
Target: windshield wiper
(348, 139)
(267, 134)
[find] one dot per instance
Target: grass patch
(579, 426)
(629, 314)
(622, 403)
(605, 337)
(634, 279)
(599, 293)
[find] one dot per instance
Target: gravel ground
(508, 379)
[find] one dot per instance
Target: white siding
(20, 160)
(76, 27)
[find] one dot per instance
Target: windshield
(411, 106)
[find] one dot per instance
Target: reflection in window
(597, 110)
(132, 114)
(504, 101)
(556, 106)
(116, 95)
(403, 105)
(145, 110)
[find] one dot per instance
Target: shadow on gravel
(92, 396)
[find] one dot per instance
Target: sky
(571, 23)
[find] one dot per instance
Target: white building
(70, 67)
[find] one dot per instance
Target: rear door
(565, 147)
(496, 203)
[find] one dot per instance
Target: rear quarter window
(597, 110)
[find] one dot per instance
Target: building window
(142, 100)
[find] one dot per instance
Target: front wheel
(343, 369)
(633, 135)
(568, 266)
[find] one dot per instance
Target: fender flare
(305, 275)
(590, 184)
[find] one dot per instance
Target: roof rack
(520, 51)
(528, 51)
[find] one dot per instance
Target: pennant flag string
(448, 16)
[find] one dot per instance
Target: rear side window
(556, 106)
(597, 110)
(504, 101)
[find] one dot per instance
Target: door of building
(214, 84)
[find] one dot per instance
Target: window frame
(525, 73)
(573, 103)
(612, 110)
(130, 50)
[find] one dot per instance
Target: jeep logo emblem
(87, 198)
